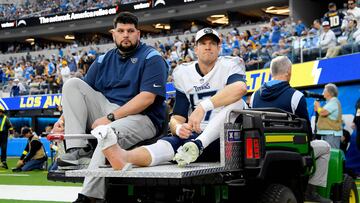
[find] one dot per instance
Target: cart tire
(349, 190)
(277, 193)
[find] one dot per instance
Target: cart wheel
(349, 190)
(277, 193)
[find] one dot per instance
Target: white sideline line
(18, 175)
(40, 193)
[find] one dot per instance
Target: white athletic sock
(160, 152)
(105, 135)
(215, 125)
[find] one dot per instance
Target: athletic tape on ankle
(178, 127)
(207, 105)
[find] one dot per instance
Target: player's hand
(58, 127)
(100, 121)
(196, 117)
(185, 131)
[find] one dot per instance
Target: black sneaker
(311, 195)
(16, 170)
(82, 199)
(85, 199)
(4, 165)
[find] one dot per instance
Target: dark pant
(33, 164)
(210, 154)
(3, 146)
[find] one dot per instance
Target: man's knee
(320, 147)
(72, 84)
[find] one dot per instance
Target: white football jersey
(197, 88)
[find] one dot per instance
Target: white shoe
(186, 154)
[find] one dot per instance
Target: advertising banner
(33, 21)
(339, 69)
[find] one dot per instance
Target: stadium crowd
(46, 7)
(325, 38)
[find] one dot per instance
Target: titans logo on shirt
(192, 87)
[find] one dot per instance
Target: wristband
(319, 110)
(178, 127)
(207, 105)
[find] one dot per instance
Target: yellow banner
(304, 74)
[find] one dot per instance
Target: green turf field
(357, 182)
(25, 201)
(7, 177)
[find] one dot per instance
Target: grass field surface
(37, 177)
(25, 201)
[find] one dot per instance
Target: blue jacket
(279, 94)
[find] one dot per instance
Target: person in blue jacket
(279, 94)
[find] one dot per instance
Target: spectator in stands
(49, 67)
(264, 36)
(329, 124)
(64, 71)
(347, 44)
(225, 46)
(253, 60)
(34, 155)
(19, 70)
(327, 40)
(300, 28)
(243, 52)
(35, 85)
(9, 72)
(39, 68)
(54, 84)
(71, 63)
(17, 89)
(44, 84)
(275, 30)
(6, 130)
(316, 28)
(124, 89)
(264, 56)
(335, 18)
(353, 11)
(186, 51)
(28, 71)
(282, 49)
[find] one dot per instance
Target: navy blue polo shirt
(121, 79)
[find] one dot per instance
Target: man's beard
(128, 48)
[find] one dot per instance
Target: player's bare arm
(230, 94)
